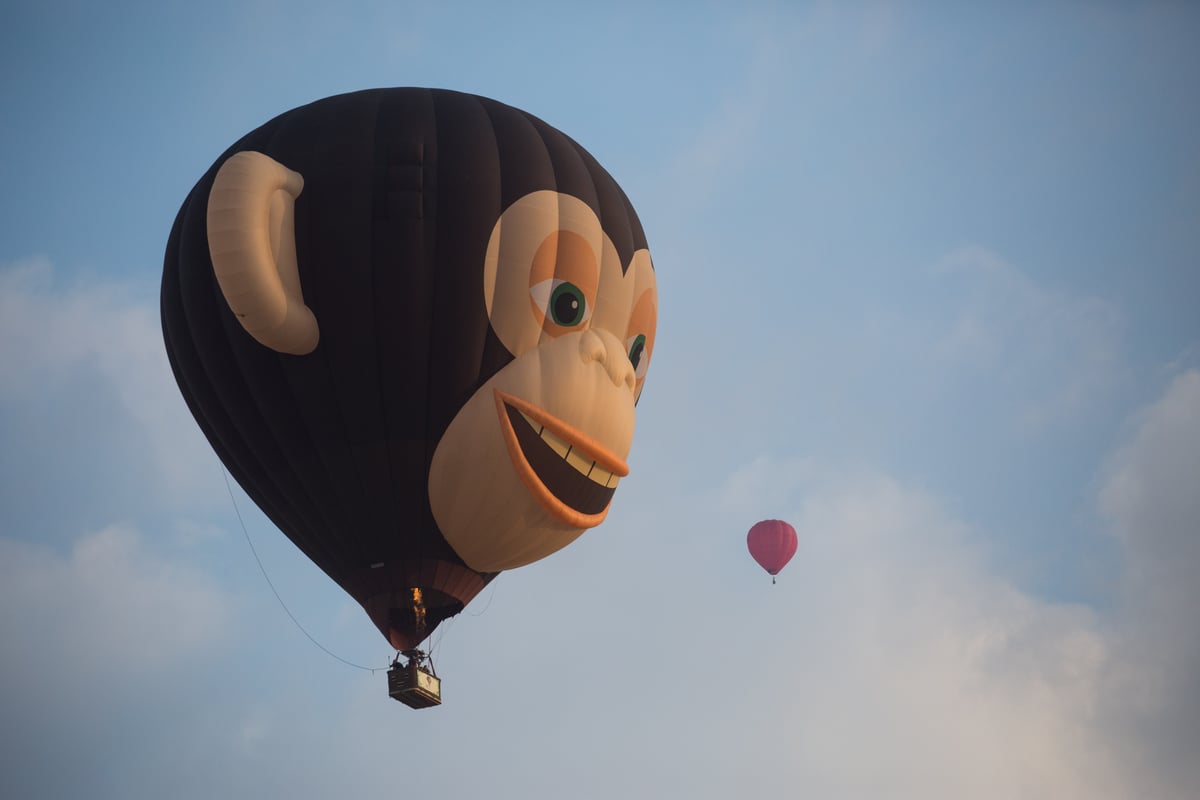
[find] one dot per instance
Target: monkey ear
(252, 243)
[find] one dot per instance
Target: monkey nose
(606, 350)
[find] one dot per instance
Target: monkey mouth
(570, 474)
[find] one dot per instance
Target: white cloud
(194, 533)
(890, 661)
(86, 380)
(1150, 492)
(905, 665)
(913, 671)
(102, 647)
(1152, 499)
(110, 604)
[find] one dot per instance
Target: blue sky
(928, 286)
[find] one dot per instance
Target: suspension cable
(263, 570)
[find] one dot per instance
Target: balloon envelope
(416, 401)
(772, 543)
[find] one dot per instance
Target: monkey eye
(638, 355)
(561, 302)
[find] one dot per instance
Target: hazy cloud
(1152, 498)
(913, 669)
(88, 400)
(1055, 351)
(717, 150)
(111, 602)
(893, 659)
(96, 655)
(910, 666)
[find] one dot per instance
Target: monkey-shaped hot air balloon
(414, 325)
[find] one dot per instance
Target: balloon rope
(485, 608)
(267, 577)
(436, 638)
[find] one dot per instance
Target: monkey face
(533, 457)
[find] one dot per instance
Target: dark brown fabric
(401, 190)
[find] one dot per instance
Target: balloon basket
(413, 684)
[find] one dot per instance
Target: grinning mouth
(570, 474)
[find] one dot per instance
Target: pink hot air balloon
(772, 543)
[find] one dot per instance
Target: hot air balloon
(772, 543)
(414, 325)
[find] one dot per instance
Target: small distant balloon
(772, 543)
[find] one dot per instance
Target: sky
(928, 281)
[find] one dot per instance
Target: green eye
(637, 349)
(568, 306)
(561, 302)
(638, 355)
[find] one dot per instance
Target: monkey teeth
(582, 464)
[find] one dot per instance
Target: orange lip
(580, 441)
